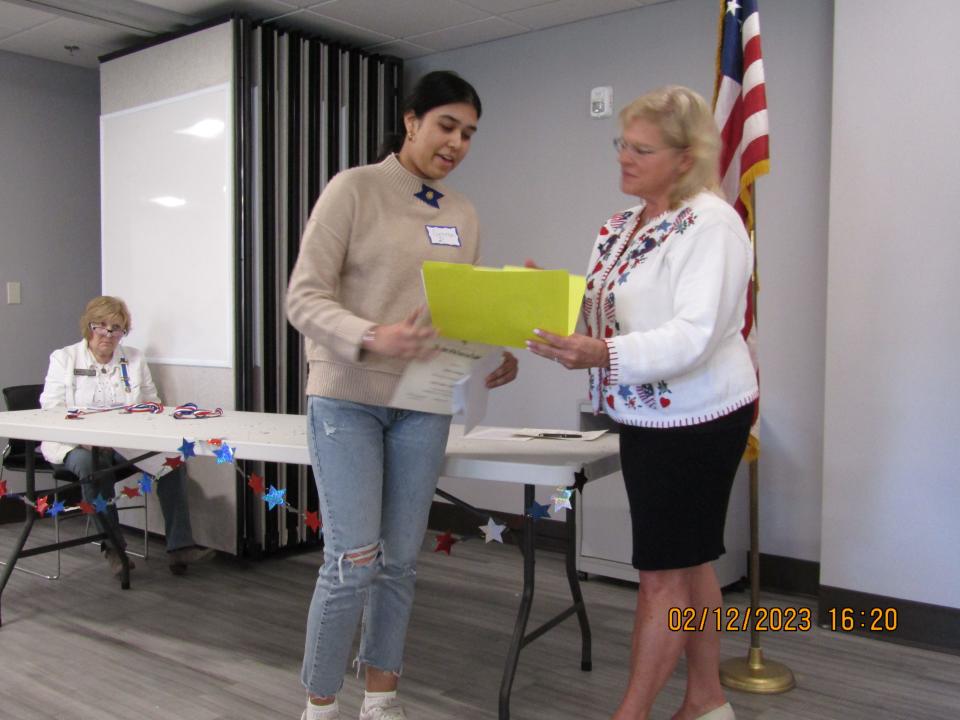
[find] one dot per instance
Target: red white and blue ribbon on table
(144, 407)
(190, 411)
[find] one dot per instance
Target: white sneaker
(389, 709)
(321, 712)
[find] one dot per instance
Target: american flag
(740, 111)
(740, 105)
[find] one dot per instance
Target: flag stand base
(755, 675)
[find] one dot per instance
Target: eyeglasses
(104, 331)
(619, 144)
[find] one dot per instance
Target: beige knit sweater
(359, 266)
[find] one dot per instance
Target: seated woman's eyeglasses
(620, 145)
(101, 329)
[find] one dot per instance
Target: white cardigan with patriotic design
(669, 299)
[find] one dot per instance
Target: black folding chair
(27, 397)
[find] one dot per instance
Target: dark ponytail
(440, 87)
(392, 142)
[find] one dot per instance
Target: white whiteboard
(166, 198)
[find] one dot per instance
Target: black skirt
(678, 484)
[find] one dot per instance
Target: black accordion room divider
(306, 109)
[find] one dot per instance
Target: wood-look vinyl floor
(225, 642)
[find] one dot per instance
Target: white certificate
(451, 383)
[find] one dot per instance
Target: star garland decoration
(145, 483)
(493, 532)
(275, 498)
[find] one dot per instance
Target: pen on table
(560, 436)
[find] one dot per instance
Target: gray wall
(49, 208)
(544, 177)
(890, 491)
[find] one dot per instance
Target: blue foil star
(56, 509)
(146, 484)
(275, 497)
(187, 449)
(224, 454)
(430, 196)
(100, 504)
(538, 511)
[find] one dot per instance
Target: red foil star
(42, 505)
(3, 488)
(445, 541)
(86, 508)
(173, 462)
(256, 484)
(130, 492)
(312, 520)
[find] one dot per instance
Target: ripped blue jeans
(376, 471)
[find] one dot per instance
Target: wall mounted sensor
(601, 102)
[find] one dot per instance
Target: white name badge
(443, 235)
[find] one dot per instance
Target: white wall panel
(891, 499)
(167, 224)
(157, 258)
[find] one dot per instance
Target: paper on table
(501, 306)
(550, 434)
(451, 382)
(497, 433)
(90, 409)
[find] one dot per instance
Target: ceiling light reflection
(206, 128)
(168, 201)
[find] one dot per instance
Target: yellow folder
(501, 306)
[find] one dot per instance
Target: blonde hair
(686, 123)
(107, 310)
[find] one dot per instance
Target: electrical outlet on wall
(601, 102)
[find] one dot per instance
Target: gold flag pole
(754, 673)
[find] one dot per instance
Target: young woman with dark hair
(357, 297)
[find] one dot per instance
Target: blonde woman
(99, 371)
(664, 310)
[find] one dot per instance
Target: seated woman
(99, 372)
